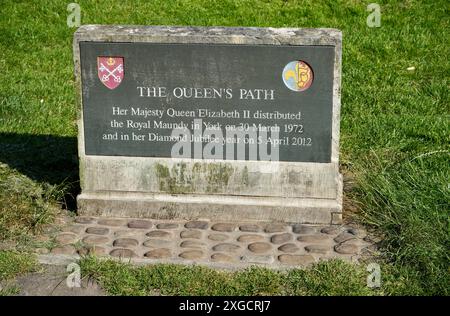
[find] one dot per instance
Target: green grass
(395, 131)
(331, 278)
(12, 264)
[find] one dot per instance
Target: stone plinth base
(166, 206)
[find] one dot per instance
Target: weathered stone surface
(167, 226)
(66, 238)
(95, 240)
(159, 253)
(158, 243)
(159, 234)
(41, 251)
(221, 257)
(192, 244)
(92, 250)
(125, 233)
(346, 248)
(344, 236)
(275, 228)
(140, 224)
(76, 229)
(331, 230)
(223, 227)
(296, 259)
(281, 238)
(336, 218)
(251, 228)
(195, 234)
(123, 253)
(125, 242)
(257, 259)
(191, 254)
(259, 247)
(359, 233)
(64, 250)
(321, 249)
(312, 238)
(97, 230)
(218, 237)
(303, 229)
(227, 247)
(289, 248)
(112, 222)
(84, 220)
(250, 238)
(196, 225)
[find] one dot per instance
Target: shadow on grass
(46, 159)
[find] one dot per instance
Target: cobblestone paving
(211, 243)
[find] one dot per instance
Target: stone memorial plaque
(219, 123)
(163, 86)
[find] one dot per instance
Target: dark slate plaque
(124, 82)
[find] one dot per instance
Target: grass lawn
(395, 135)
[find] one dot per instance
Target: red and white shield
(110, 71)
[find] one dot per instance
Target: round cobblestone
(159, 234)
(223, 227)
(84, 220)
(303, 229)
(227, 247)
(330, 230)
(64, 250)
(250, 228)
(139, 224)
(123, 253)
(76, 229)
(357, 232)
(157, 243)
(195, 234)
(221, 257)
(192, 244)
(66, 238)
(167, 226)
(296, 259)
(321, 249)
(312, 238)
(218, 237)
(125, 242)
(95, 240)
(97, 230)
(191, 254)
(275, 228)
(344, 236)
(92, 250)
(346, 249)
(196, 225)
(259, 247)
(289, 248)
(112, 222)
(159, 253)
(250, 238)
(281, 238)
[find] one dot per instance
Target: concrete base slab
(188, 206)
